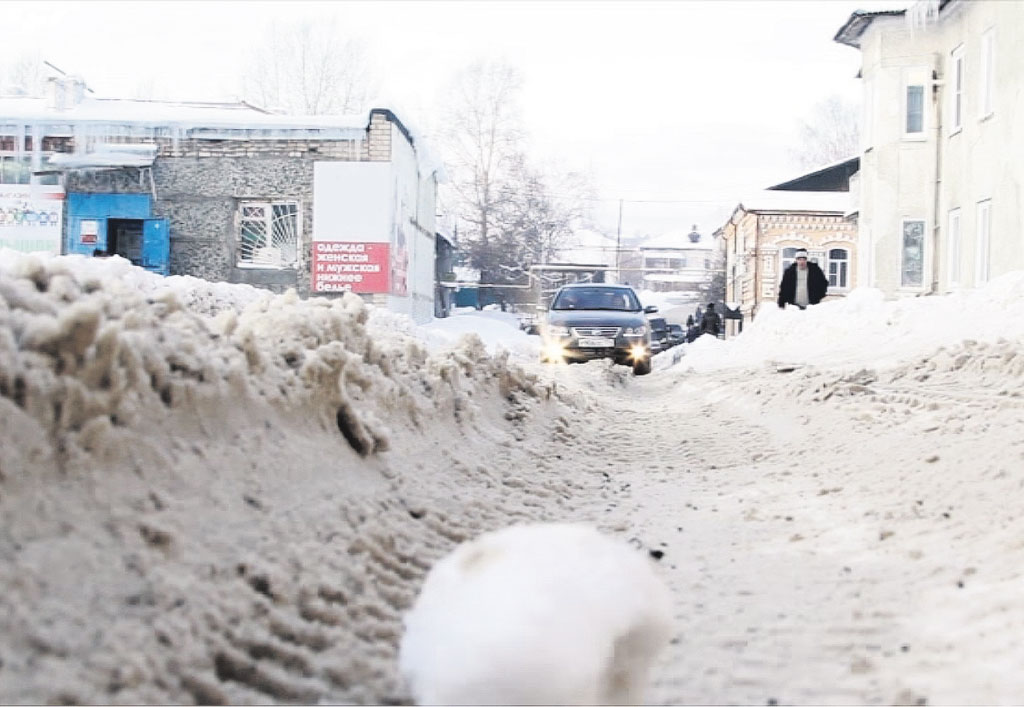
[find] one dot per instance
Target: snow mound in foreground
(537, 614)
(213, 494)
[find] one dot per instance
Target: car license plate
(593, 342)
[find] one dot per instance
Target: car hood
(595, 317)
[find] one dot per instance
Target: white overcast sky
(694, 102)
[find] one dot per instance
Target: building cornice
(851, 32)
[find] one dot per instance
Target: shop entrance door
(124, 238)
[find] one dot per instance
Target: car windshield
(616, 299)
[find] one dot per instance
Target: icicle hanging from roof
(921, 14)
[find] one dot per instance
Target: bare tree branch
(308, 68)
(829, 134)
(26, 76)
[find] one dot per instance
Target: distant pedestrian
(711, 323)
(803, 283)
(692, 330)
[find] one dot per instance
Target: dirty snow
(210, 493)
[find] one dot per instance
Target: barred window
(268, 234)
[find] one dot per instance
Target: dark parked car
(676, 334)
(529, 323)
(589, 321)
(659, 334)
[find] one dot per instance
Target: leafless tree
(26, 76)
(308, 68)
(831, 133)
(511, 213)
(482, 139)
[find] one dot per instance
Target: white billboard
(353, 202)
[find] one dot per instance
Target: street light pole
(618, 245)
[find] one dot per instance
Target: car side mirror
(650, 309)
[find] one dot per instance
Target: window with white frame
(18, 160)
(986, 85)
(914, 115)
(953, 247)
(838, 268)
(15, 169)
(981, 256)
(912, 253)
(956, 90)
(268, 234)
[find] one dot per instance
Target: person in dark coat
(803, 283)
(710, 323)
(692, 330)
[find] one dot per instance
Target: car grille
(608, 332)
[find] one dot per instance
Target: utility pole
(618, 245)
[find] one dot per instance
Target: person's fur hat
(801, 253)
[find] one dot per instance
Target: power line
(643, 201)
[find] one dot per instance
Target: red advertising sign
(357, 267)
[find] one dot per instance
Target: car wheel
(642, 368)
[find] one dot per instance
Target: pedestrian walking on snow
(803, 283)
(711, 323)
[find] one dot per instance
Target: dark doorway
(124, 238)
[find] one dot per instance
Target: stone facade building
(765, 231)
(316, 203)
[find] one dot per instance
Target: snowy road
(211, 494)
(847, 548)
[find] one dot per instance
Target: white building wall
(903, 177)
(414, 230)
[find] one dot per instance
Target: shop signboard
(31, 217)
(353, 222)
(358, 267)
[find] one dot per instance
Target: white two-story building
(941, 184)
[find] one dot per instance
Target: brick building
(765, 231)
(229, 192)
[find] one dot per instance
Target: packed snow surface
(210, 493)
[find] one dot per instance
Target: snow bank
(864, 329)
(211, 493)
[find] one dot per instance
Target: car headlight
(635, 331)
(554, 330)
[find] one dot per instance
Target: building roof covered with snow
(588, 246)
(679, 239)
(796, 201)
(185, 115)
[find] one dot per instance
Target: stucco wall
(950, 169)
(415, 226)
